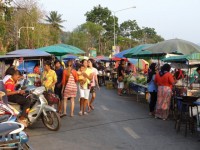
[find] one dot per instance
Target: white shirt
(6, 78)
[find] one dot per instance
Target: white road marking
(104, 107)
(131, 132)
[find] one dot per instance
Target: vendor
(195, 76)
(36, 69)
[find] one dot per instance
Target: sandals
(63, 115)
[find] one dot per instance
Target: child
(81, 78)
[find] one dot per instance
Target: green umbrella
(174, 46)
(75, 49)
(136, 50)
(56, 50)
(144, 54)
(183, 58)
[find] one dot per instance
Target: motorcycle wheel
(26, 147)
(53, 122)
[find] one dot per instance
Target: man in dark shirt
(58, 86)
(120, 74)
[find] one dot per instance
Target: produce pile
(139, 79)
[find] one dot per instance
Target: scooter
(11, 132)
(40, 109)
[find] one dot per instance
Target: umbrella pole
(138, 65)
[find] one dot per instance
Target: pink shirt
(95, 73)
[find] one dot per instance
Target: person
(8, 73)
(49, 77)
(179, 76)
(93, 83)
(120, 76)
(81, 78)
(101, 70)
(58, 86)
(69, 89)
(165, 82)
(36, 69)
(85, 89)
(152, 88)
(195, 76)
(129, 68)
(17, 96)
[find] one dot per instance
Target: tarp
(191, 59)
(175, 46)
(29, 53)
(27, 66)
(61, 49)
(76, 49)
(56, 50)
(137, 50)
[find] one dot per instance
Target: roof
(25, 53)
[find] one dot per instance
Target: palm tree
(55, 20)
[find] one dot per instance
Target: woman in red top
(69, 89)
(165, 81)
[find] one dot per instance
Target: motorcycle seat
(3, 118)
(6, 128)
(11, 103)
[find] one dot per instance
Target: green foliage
(103, 16)
(55, 20)
(127, 28)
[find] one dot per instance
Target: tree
(55, 20)
(86, 36)
(127, 28)
(150, 35)
(103, 16)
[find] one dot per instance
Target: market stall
(25, 60)
(187, 92)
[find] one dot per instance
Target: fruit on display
(141, 80)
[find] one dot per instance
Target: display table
(138, 88)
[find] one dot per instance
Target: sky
(170, 18)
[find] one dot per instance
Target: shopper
(58, 86)
(94, 83)
(85, 88)
(152, 88)
(69, 89)
(165, 82)
(120, 78)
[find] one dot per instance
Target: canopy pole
(138, 65)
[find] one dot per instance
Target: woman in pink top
(94, 83)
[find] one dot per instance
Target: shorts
(120, 85)
(93, 89)
(85, 93)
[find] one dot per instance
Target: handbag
(51, 97)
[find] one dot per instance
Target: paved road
(117, 123)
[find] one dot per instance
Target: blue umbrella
(69, 57)
(121, 54)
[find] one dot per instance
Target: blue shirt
(152, 87)
(59, 73)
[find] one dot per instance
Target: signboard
(93, 53)
(115, 50)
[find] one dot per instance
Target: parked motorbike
(12, 135)
(40, 109)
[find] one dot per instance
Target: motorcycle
(40, 109)
(12, 135)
